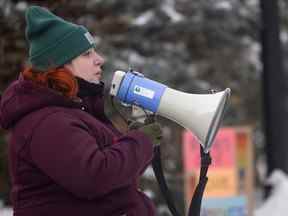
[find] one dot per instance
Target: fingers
(157, 127)
(134, 125)
(150, 119)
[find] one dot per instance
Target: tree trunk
(274, 88)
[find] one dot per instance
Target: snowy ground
(5, 211)
(276, 204)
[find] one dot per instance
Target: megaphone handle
(195, 205)
(150, 119)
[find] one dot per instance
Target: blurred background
(192, 46)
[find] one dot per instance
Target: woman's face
(87, 66)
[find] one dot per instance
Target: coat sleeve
(63, 148)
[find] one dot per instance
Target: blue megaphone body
(138, 90)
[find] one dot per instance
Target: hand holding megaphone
(146, 124)
(200, 113)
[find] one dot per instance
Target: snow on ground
(276, 204)
(6, 211)
(168, 7)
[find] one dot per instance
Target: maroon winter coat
(66, 158)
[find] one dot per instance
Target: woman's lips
(98, 73)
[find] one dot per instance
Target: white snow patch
(136, 58)
(21, 6)
(149, 173)
(144, 18)
(284, 36)
(253, 3)
(168, 7)
(224, 5)
(7, 9)
(6, 211)
(276, 204)
(253, 53)
(149, 193)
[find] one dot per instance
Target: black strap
(195, 205)
(158, 171)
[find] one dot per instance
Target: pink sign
(222, 151)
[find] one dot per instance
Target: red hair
(59, 79)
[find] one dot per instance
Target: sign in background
(222, 172)
(230, 174)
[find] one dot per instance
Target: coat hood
(24, 96)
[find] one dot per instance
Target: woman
(66, 158)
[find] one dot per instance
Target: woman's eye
(87, 53)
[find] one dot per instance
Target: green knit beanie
(54, 41)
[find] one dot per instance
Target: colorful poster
(222, 173)
(230, 175)
(221, 183)
(222, 151)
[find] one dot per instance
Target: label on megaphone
(131, 88)
(145, 92)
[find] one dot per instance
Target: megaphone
(199, 113)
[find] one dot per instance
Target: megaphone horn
(200, 113)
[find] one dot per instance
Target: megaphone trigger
(134, 125)
(150, 119)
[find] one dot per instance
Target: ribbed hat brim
(61, 52)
